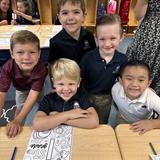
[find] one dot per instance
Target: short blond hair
(65, 67)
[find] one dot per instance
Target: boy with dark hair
(134, 101)
(73, 41)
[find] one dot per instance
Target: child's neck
(107, 57)
(75, 34)
(26, 74)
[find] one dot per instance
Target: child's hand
(142, 126)
(53, 113)
(4, 22)
(18, 12)
(13, 128)
(13, 22)
(77, 113)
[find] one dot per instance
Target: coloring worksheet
(54, 144)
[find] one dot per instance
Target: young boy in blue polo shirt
(134, 101)
(73, 41)
(68, 104)
(27, 74)
(99, 66)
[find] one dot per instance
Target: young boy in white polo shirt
(134, 100)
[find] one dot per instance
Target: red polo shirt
(11, 73)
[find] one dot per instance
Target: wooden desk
(88, 144)
(95, 144)
(44, 32)
(7, 144)
(134, 146)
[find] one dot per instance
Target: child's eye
(113, 38)
(64, 13)
(129, 79)
(71, 84)
(60, 84)
(76, 12)
(19, 52)
(101, 39)
(32, 52)
(141, 80)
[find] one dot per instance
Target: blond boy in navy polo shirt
(69, 104)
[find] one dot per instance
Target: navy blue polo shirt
(63, 45)
(52, 102)
(99, 76)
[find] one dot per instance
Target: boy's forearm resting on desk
(75, 117)
(145, 125)
(91, 121)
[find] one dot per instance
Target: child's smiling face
(71, 18)
(134, 80)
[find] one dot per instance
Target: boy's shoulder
(59, 36)
(92, 53)
(85, 32)
(120, 57)
(120, 54)
(9, 65)
(64, 35)
(40, 69)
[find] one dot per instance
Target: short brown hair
(26, 5)
(23, 37)
(61, 3)
(110, 19)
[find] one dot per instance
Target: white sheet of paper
(54, 144)
(155, 157)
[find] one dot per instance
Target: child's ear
(79, 82)
(122, 37)
(120, 80)
(149, 82)
(11, 53)
(39, 53)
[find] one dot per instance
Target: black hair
(134, 63)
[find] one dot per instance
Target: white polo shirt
(137, 109)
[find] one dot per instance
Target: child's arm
(140, 9)
(91, 121)
(145, 125)
(28, 17)
(14, 127)
(2, 98)
(4, 22)
(57, 118)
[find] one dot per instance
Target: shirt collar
(74, 98)
(68, 37)
(114, 59)
(19, 75)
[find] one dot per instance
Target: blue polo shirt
(99, 76)
(63, 45)
(52, 102)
